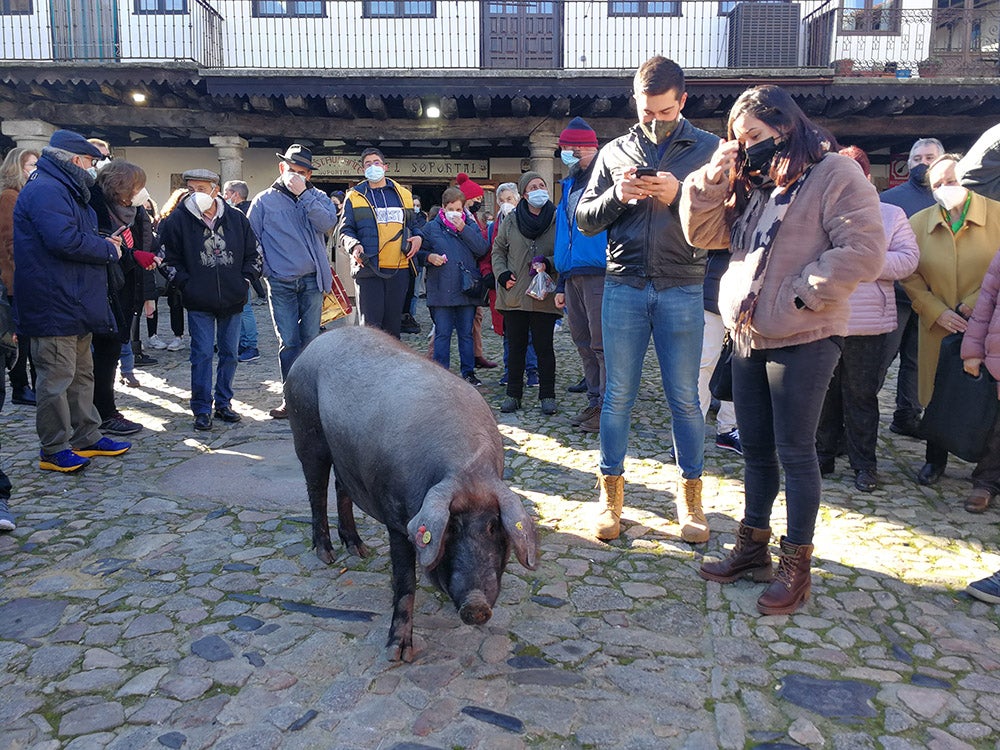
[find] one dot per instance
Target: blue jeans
(127, 358)
(248, 327)
(296, 305)
(458, 319)
(778, 394)
(208, 331)
(674, 319)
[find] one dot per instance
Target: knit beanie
(471, 190)
(527, 177)
(578, 133)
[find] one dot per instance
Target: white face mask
(288, 175)
(203, 201)
(453, 216)
(140, 198)
(950, 196)
(506, 208)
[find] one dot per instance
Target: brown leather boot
(750, 557)
(608, 524)
(792, 583)
(694, 525)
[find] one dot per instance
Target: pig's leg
(316, 465)
(404, 585)
(346, 528)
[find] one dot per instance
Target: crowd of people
(766, 257)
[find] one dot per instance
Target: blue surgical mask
(374, 173)
(92, 171)
(568, 159)
(538, 198)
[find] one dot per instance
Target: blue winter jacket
(292, 232)
(576, 253)
(444, 283)
(60, 261)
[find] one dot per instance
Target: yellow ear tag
(519, 526)
(426, 538)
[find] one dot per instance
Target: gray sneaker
(6, 519)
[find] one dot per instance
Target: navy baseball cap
(75, 143)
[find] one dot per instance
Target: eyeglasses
(374, 164)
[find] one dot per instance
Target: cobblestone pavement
(169, 598)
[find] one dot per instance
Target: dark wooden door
(522, 34)
(84, 29)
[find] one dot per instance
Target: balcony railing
(565, 35)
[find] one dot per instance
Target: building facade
(481, 86)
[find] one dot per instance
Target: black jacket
(213, 267)
(645, 241)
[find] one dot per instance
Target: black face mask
(474, 207)
(919, 175)
(760, 155)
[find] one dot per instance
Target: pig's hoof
(325, 554)
(358, 550)
(400, 651)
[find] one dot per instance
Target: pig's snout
(475, 610)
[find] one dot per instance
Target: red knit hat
(578, 133)
(470, 189)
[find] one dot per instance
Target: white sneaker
(176, 344)
(155, 342)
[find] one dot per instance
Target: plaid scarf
(771, 217)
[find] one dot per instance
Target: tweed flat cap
(205, 175)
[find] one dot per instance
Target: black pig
(418, 449)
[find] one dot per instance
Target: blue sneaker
(64, 461)
(503, 379)
(105, 447)
(249, 354)
(986, 590)
(532, 379)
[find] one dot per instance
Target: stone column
(543, 148)
(33, 134)
(230, 156)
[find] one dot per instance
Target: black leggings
(517, 324)
(107, 350)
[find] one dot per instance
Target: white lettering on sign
(349, 166)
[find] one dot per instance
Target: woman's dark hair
(804, 142)
(119, 180)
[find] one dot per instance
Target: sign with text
(899, 169)
(403, 169)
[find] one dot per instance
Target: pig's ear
(426, 529)
(520, 528)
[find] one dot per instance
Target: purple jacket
(873, 303)
(982, 338)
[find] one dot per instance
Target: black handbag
(473, 286)
(963, 409)
(721, 382)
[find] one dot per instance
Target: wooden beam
(249, 124)
(261, 103)
(845, 107)
(889, 107)
(560, 107)
(376, 105)
(296, 103)
(449, 107)
(600, 106)
(520, 106)
(413, 106)
(483, 104)
(338, 106)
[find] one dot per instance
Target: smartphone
(646, 171)
(118, 231)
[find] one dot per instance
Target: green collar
(960, 221)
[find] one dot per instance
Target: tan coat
(951, 271)
(832, 238)
(7, 200)
(512, 251)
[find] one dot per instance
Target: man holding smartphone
(653, 285)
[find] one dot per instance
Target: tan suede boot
(792, 583)
(608, 524)
(694, 525)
